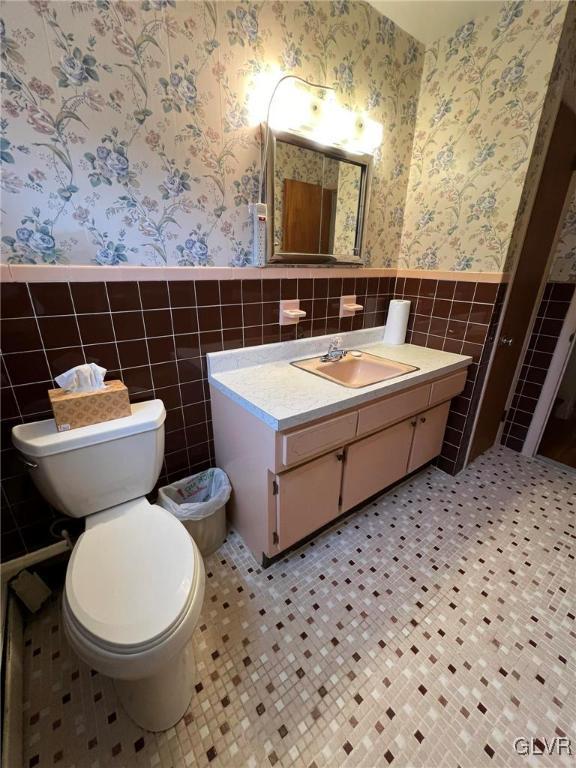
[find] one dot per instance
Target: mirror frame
(365, 161)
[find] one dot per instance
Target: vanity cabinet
(310, 496)
(288, 484)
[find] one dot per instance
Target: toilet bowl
(135, 580)
(134, 624)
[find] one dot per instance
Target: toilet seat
(131, 578)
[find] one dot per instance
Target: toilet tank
(92, 468)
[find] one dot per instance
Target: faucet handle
(337, 342)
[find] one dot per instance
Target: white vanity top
(262, 380)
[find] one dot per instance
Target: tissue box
(79, 409)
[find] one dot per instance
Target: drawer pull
(423, 419)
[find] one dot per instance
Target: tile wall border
(39, 273)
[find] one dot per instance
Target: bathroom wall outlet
(349, 307)
(290, 312)
(259, 213)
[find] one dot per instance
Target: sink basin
(357, 369)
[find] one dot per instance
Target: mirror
(316, 203)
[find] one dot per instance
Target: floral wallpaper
(345, 225)
(564, 263)
(481, 100)
(562, 86)
(125, 133)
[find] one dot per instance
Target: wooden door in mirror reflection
(304, 228)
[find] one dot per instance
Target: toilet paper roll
(397, 322)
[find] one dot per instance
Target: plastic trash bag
(197, 496)
(199, 502)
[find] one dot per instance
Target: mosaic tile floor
(431, 628)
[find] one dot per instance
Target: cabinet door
(428, 435)
(307, 498)
(376, 462)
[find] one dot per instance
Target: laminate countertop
(263, 381)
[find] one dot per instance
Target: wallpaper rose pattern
(564, 264)
(481, 99)
(125, 134)
(562, 86)
(347, 204)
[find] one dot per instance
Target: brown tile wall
(460, 317)
(549, 321)
(154, 336)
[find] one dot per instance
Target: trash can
(199, 502)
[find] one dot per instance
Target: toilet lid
(131, 574)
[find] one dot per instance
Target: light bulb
(334, 123)
(368, 134)
(292, 107)
(262, 88)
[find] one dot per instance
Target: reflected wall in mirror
(318, 204)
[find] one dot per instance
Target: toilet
(135, 579)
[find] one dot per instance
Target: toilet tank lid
(41, 438)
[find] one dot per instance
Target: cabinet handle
(413, 423)
(340, 456)
(423, 419)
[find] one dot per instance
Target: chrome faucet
(335, 351)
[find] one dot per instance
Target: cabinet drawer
(447, 388)
(392, 409)
(311, 441)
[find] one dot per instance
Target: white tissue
(82, 378)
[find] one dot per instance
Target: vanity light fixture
(321, 119)
(368, 135)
